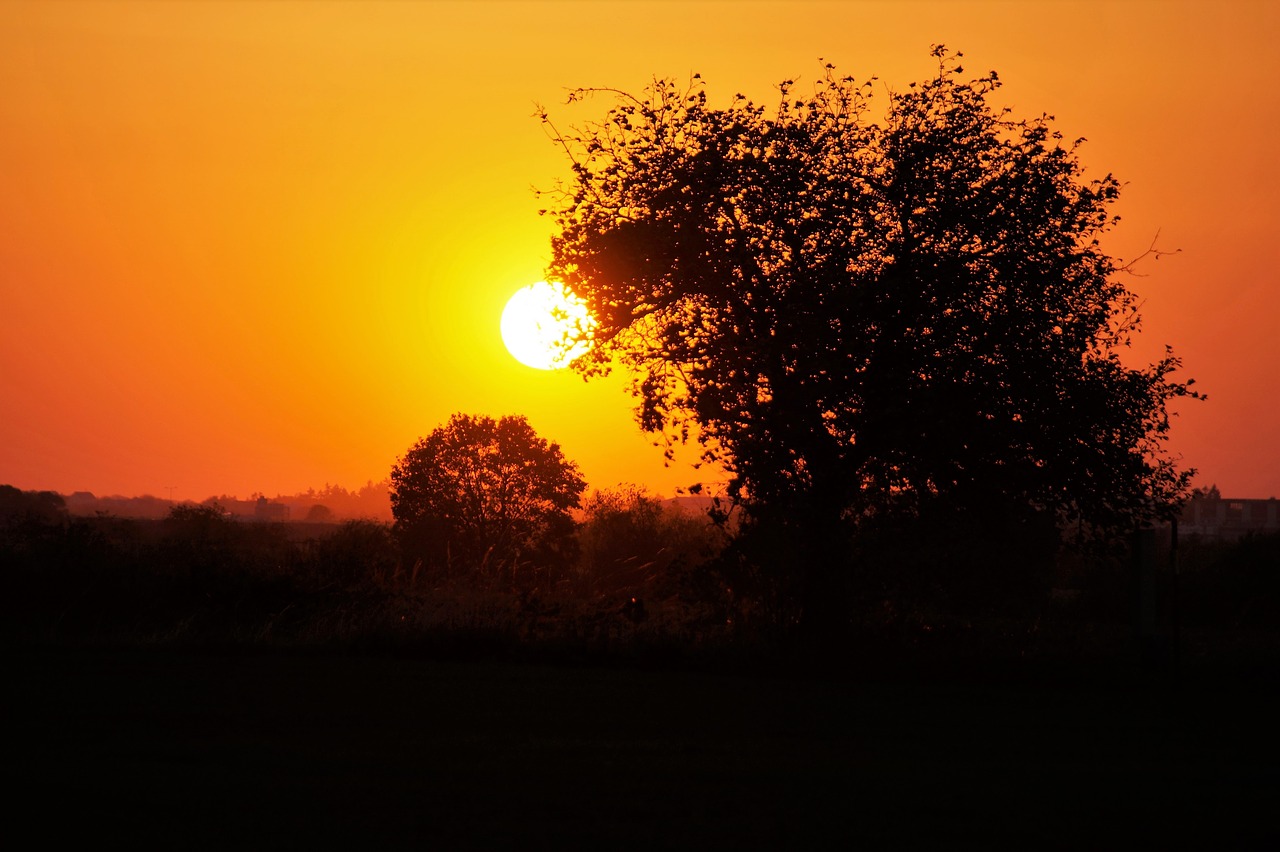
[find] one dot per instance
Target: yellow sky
(265, 246)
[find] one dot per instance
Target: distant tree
(47, 507)
(868, 320)
(481, 492)
(374, 500)
(320, 513)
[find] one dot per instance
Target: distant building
(265, 510)
(1214, 517)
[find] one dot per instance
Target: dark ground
(167, 749)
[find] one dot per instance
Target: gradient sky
(265, 246)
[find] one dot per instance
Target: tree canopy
(868, 317)
(482, 492)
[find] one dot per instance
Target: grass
(219, 686)
(156, 748)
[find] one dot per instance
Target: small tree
(868, 320)
(320, 514)
(480, 492)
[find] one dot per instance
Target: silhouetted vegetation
(330, 503)
(31, 506)
(649, 581)
(483, 498)
(1235, 585)
(901, 336)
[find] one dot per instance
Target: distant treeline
(203, 576)
(647, 577)
(328, 504)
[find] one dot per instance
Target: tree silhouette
(43, 507)
(869, 320)
(480, 492)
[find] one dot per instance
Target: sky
(262, 247)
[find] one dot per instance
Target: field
(160, 748)
(202, 683)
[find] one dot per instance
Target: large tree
(479, 492)
(860, 318)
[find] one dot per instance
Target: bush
(1232, 584)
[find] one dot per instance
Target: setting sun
(443, 420)
(542, 326)
(262, 247)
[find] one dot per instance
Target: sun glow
(546, 326)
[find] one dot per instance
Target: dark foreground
(161, 749)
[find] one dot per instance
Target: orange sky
(265, 246)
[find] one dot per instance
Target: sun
(546, 326)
